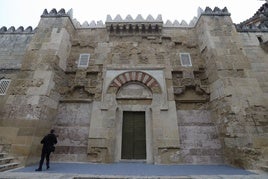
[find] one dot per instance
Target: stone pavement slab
(133, 170)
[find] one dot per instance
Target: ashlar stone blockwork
(211, 111)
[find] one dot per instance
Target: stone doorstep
(6, 160)
(8, 166)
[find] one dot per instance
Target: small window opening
(4, 84)
(84, 60)
(185, 59)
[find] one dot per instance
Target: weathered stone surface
(12, 50)
(211, 110)
(199, 138)
(72, 128)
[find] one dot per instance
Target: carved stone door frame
(148, 130)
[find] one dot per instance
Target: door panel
(133, 139)
(127, 138)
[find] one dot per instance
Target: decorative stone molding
(20, 30)
(208, 12)
(77, 92)
(135, 76)
(137, 25)
(188, 87)
(257, 23)
(187, 82)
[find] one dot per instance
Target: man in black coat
(48, 146)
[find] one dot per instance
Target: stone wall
(257, 56)
(210, 112)
(12, 49)
(235, 94)
(34, 93)
(72, 128)
(255, 49)
(23, 138)
(200, 142)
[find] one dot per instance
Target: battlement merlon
(19, 30)
(138, 24)
(118, 23)
(216, 12)
(148, 22)
(61, 13)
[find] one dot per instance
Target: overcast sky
(27, 12)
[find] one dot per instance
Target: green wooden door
(133, 136)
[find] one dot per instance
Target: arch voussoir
(135, 76)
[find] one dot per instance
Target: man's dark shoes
(38, 170)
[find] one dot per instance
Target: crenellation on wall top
(139, 20)
(55, 13)
(257, 23)
(138, 25)
(207, 12)
(19, 30)
(86, 25)
(183, 23)
(216, 12)
(128, 22)
(92, 24)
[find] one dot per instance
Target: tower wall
(31, 104)
(236, 95)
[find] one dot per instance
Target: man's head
(52, 131)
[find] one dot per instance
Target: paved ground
(133, 170)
